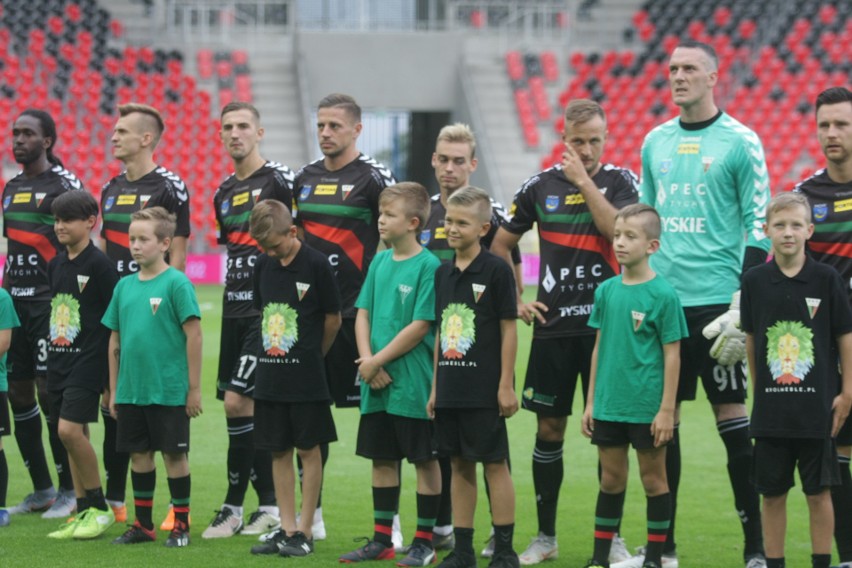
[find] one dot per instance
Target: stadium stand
(70, 59)
(772, 76)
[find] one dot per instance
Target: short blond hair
(458, 133)
(147, 110)
(269, 218)
(164, 222)
(414, 197)
(579, 111)
(475, 198)
(786, 200)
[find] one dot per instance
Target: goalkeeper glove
(729, 347)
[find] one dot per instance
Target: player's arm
(662, 428)
(752, 182)
(192, 330)
(404, 341)
(506, 397)
(430, 405)
(5, 340)
(603, 212)
(177, 253)
(329, 331)
(504, 242)
(362, 341)
(113, 360)
(587, 424)
(752, 369)
(843, 401)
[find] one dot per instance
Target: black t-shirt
(795, 323)
(434, 237)
(339, 213)
(469, 306)
(77, 346)
(575, 257)
(293, 301)
(233, 202)
(120, 198)
(28, 226)
(831, 205)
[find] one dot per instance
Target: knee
(69, 432)
(614, 481)
(21, 395)
(552, 428)
(237, 405)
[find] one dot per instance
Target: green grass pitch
(708, 528)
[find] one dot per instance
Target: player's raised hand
(572, 166)
(532, 311)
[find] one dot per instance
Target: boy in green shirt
(8, 320)
(155, 372)
(394, 332)
(633, 383)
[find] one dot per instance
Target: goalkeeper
(705, 173)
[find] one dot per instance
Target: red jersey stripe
(34, 240)
(344, 238)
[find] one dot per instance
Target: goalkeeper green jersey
(710, 185)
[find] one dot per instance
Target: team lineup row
(703, 171)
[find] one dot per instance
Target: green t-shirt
(395, 294)
(8, 320)
(149, 315)
(710, 184)
(634, 322)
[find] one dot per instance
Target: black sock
(734, 434)
(775, 562)
(821, 560)
(445, 511)
(673, 477)
(179, 488)
(464, 542)
(427, 512)
(261, 478)
(240, 454)
(503, 536)
(82, 504)
(385, 504)
(608, 513)
(4, 478)
(841, 498)
(548, 471)
(116, 464)
(28, 436)
(658, 513)
(60, 456)
(143, 496)
(95, 498)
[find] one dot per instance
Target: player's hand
(368, 368)
(430, 405)
(587, 424)
(532, 311)
(381, 380)
(507, 400)
(840, 412)
(113, 411)
(572, 166)
(729, 347)
(193, 402)
(662, 428)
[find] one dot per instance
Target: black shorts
(28, 351)
(340, 368)
(721, 384)
(5, 424)
(282, 426)
(239, 344)
(74, 404)
(774, 461)
(844, 437)
(552, 371)
(383, 436)
(474, 434)
(607, 433)
(152, 428)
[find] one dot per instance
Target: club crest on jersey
(820, 212)
(638, 317)
(39, 198)
(813, 306)
(345, 189)
(82, 281)
(478, 290)
(404, 291)
(305, 192)
(225, 207)
(665, 166)
(707, 161)
(155, 305)
(302, 289)
(6, 201)
(551, 203)
(109, 203)
(143, 200)
(425, 236)
(255, 194)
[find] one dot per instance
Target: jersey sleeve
(424, 307)
(107, 279)
(598, 307)
(752, 179)
(283, 188)
(841, 313)
(746, 316)
(523, 208)
(110, 319)
(672, 321)
(181, 211)
(259, 269)
(647, 189)
(505, 293)
(626, 192)
(8, 317)
(329, 293)
(221, 236)
(185, 301)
